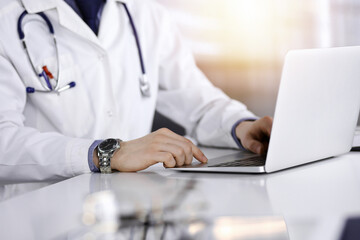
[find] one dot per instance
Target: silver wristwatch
(105, 151)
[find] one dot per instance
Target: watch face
(108, 144)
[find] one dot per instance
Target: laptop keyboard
(255, 161)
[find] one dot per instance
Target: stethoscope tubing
(136, 39)
(42, 74)
(144, 83)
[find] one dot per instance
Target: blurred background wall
(241, 44)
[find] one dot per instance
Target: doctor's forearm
(29, 155)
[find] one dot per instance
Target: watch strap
(105, 158)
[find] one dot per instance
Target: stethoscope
(49, 78)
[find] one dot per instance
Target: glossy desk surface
(313, 200)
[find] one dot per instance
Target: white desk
(313, 199)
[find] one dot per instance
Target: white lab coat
(46, 136)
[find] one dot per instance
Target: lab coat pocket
(70, 111)
(76, 104)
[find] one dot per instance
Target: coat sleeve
(187, 97)
(25, 153)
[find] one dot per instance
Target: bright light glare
(250, 27)
(251, 30)
(240, 228)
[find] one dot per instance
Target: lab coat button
(110, 113)
(101, 57)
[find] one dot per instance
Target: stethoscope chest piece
(144, 86)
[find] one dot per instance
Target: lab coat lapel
(122, 1)
(33, 6)
(67, 17)
(109, 20)
(70, 20)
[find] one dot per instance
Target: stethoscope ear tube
(30, 90)
(66, 87)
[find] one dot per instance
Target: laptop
(315, 116)
(356, 141)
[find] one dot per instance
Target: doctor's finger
(265, 125)
(166, 158)
(254, 146)
(197, 153)
(186, 147)
(177, 152)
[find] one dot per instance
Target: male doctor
(65, 104)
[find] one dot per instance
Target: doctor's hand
(255, 135)
(162, 145)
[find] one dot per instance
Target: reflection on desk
(313, 199)
(8, 191)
